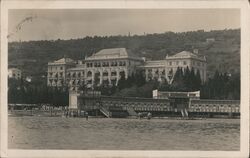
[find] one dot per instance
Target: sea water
(33, 132)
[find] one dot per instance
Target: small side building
(57, 72)
(14, 73)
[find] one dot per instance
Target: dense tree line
(222, 86)
(21, 91)
(185, 80)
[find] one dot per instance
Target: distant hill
(221, 47)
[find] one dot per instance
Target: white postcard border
(245, 36)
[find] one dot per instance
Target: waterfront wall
(160, 105)
(215, 106)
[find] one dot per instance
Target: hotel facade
(107, 66)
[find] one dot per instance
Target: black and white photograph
(124, 79)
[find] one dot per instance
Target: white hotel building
(165, 69)
(105, 67)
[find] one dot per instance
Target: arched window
(163, 72)
(89, 74)
(68, 74)
(120, 63)
(122, 73)
(78, 82)
(105, 73)
(113, 73)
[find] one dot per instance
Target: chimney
(196, 51)
(166, 56)
(144, 59)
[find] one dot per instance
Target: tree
(221, 86)
(122, 81)
(178, 82)
(96, 80)
(187, 80)
(197, 81)
(192, 80)
(130, 80)
(139, 78)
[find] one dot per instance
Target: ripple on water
(123, 134)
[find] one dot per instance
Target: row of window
(123, 63)
(60, 74)
(157, 72)
(197, 63)
(107, 64)
(56, 68)
(60, 82)
(89, 74)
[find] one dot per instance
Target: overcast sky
(72, 23)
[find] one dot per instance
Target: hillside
(221, 47)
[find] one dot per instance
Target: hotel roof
(112, 53)
(64, 60)
(61, 61)
(186, 54)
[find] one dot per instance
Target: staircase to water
(105, 111)
(131, 112)
(184, 112)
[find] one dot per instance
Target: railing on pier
(135, 105)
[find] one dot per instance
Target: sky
(53, 24)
